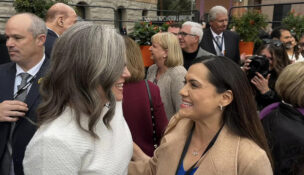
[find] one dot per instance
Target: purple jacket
(272, 107)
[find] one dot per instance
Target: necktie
(20, 97)
(219, 46)
(24, 78)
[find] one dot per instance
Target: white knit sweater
(62, 148)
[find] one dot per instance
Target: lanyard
(220, 47)
(187, 146)
(16, 95)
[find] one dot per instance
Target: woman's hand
(261, 83)
(138, 154)
(246, 62)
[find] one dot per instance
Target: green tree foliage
(38, 7)
(143, 31)
(295, 23)
(249, 25)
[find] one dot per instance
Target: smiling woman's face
(199, 96)
(117, 88)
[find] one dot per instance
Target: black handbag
(152, 116)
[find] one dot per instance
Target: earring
(221, 107)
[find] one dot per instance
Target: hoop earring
(221, 107)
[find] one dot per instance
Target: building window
(279, 12)
(120, 18)
(82, 10)
(144, 12)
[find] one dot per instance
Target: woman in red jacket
(136, 105)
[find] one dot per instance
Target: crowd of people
(75, 99)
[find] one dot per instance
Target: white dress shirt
(214, 35)
(33, 71)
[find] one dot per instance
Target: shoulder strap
(152, 115)
(149, 93)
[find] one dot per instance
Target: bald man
(19, 89)
(59, 18)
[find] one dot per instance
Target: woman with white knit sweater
(81, 129)
(168, 71)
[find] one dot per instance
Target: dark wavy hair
(279, 55)
(240, 115)
(85, 60)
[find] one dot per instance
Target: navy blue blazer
(50, 40)
(231, 40)
(24, 130)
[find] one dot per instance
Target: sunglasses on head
(301, 44)
(276, 43)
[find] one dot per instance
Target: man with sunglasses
(217, 39)
(19, 90)
(189, 37)
(284, 35)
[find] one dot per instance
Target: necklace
(195, 152)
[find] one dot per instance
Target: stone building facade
(205, 5)
(118, 13)
(274, 12)
(278, 12)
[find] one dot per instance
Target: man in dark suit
(217, 39)
(59, 18)
(19, 96)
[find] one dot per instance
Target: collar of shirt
(215, 45)
(33, 71)
(214, 34)
(53, 31)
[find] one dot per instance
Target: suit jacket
(50, 40)
(190, 57)
(23, 130)
(231, 41)
(230, 154)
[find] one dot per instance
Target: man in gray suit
(189, 37)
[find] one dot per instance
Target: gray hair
(37, 26)
(86, 57)
(196, 29)
(216, 10)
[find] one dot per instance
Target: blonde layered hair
(290, 84)
(169, 42)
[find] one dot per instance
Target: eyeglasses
(276, 43)
(176, 34)
(184, 34)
